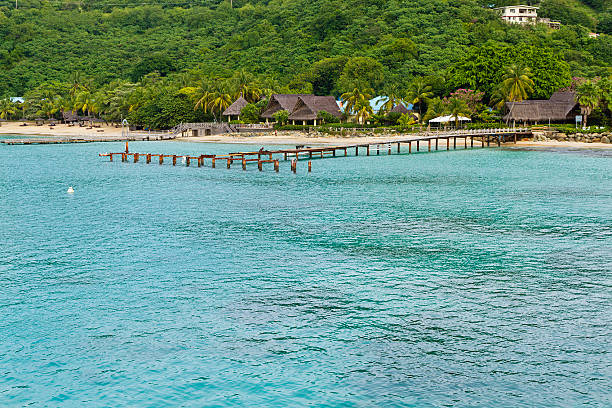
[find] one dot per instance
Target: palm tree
(355, 97)
(203, 99)
(605, 85)
(84, 101)
(78, 83)
(406, 119)
(390, 103)
(118, 100)
(24, 106)
(392, 99)
(588, 96)
(244, 86)
(435, 108)
(7, 108)
(219, 102)
(48, 108)
(63, 103)
(201, 95)
(499, 97)
(363, 110)
(457, 107)
(419, 92)
(517, 83)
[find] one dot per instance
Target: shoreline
(283, 138)
(290, 140)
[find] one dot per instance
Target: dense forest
(319, 46)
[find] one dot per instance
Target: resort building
(307, 108)
(279, 102)
(235, 108)
(523, 14)
(561, 107)
(301, 107)
(400, 108)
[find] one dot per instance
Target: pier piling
(326, 151)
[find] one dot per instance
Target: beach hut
(39, 121)
(399, 108)
(279, 102)
(561, 107)
(307, 108)
(70, 116)
(235, 108)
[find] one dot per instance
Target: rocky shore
(551, 135)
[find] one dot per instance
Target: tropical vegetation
(160, 64)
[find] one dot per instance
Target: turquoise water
(468, 278)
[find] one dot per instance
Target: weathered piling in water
(329, 151)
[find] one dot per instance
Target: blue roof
(377, 102)
(18, 99)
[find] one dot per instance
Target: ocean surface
(470, 278)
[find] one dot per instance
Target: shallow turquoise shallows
(470, 278)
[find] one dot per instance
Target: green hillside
(277, 40)
(155, 63)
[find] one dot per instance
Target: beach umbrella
(449, 118)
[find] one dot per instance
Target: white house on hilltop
(519, 14)
(522, 14)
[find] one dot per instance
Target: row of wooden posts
(200, 160)
(260, 156)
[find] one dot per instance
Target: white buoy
(70, 190)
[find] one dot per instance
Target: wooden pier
(435, 142)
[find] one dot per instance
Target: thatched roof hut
(560, 107)
(70, 116)
(279, 102)
(399, 108)
(307, 107)
(235, 108)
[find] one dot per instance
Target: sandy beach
(281, 138)
(16, 128)
(291, 138)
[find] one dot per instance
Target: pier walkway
(479, 138)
